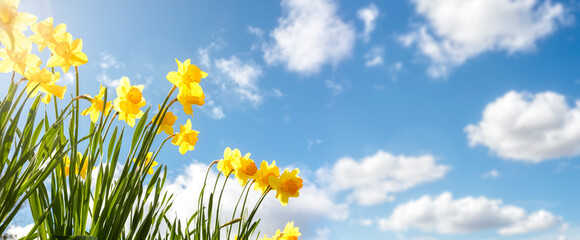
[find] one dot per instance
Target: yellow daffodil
(263, 174)
(97, 105)
(186, 138)
(18, 60)
(244, 168)
(225, 164)
(147, 160)
(46, 35)
(167, 123)
(186, 74)
(187, 79)
(44, 81)
(67, 53)
(190, 96)
(13, 23)
(288, 185)
(290, 232)
(276, 236)
(129, 100)
(83, 172)
(266, 238)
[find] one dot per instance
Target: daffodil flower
(46, 35)
(186, 138)
(167, 123)
(18, 60)
(244, 168)
(67, 53)
(147, 160)
(83, 171)
(44, 81)
(290, 232)
(129, 100)
(13, 23)
(187, 79)
(225, 165)
(263, 174)
(97, 105)
(288, 185)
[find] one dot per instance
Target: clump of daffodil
(186, 138)
(167, 123)
(98, 105)
(18, 60)
(13, 23)
(290, 233)
(244, 168)
(225, 165)
(147, 160)
(263, 174)
(44, 81)
(83, 170)
(287, 185)
(46, 35)
(129, 100)
(67, 53)
(187, 79)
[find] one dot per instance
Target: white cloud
(256, 31)
(309, 35)
(491, 174)
(529, 127)
(456, 30)
(374, 57)
(395, 69)
(564, 227)
(424, 238)
(536, 221)
(334, 86)
(277, 93)
(243, 77)
(368, 15)
(313, 205)
(108, 81)
(213, 110)
(234, 82)
(67, 78)
(19, 231)
(375, 178)
(204, 57)
(108, 60)
(446, 215)
(323, 234)
(312, 143)
(365, 222)
(217, 112)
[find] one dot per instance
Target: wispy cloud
(369, 16)
(491, 174)
(312, 143)
(243, 77)
(109, 61)
(374, 57)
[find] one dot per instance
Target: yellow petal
(183, 149)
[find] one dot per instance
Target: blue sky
(372, 101)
